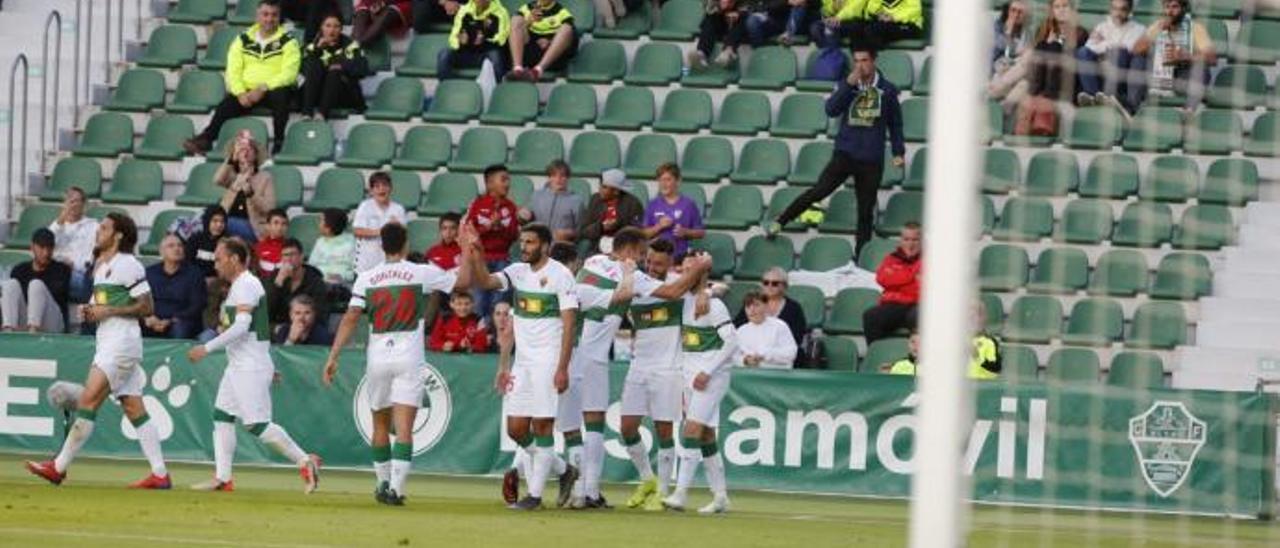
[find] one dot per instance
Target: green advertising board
(1087, 446)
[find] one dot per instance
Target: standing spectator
(427, 13)
(306, 325)
(878, 23)
(461, 330)
(495, 218)
(1053, 73)
(334, 252)
(1108, 57)
(309, 14)
(375, 19)
(34, 298)
(1010, 54)
(445, 252)
(270, 249)
(480, 31)
(554, 205)
(723, 23)
(331, 71)
(899, 279)
(610, 210)
(867, 105)
(200, 247)
(542, 34)
(177, 294)
(764, 341)
(670, 215)
(291, 279)
(776, 303)
(1179, 53)
(262, 68)
(250, 193)
(374, 212)
(74, 235)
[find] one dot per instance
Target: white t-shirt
(252, 351)
(539, 297)
(700, 337)
(73, 242)
(599, 275)
(656, 322)
(394, 298)
(369, 215)
(119, 282)
(771, 339)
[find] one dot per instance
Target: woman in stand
(250, 192)
(332, 67)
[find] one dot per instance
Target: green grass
(268, 509)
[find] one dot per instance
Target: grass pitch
(268, 509)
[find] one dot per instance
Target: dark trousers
(451, 59)
(427, 13)
(876, 34)
(880, 321)
(278, 101)
(310, 14)
(716, 29)
(866, 183)
(326, 90)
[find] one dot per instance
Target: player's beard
(533, 257)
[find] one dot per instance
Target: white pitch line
(144, 538)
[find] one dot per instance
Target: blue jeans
(1126, 83)
(763, 25)
(824, 36)
(796, 20)
(449, 59)
(1182, 78)
(81, 286)
(240, 227)
(485, 299)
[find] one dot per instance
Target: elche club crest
(433, 415)
(1166, 438)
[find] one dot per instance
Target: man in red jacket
(899, 279)
(494, 217)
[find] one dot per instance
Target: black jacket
(278, 297)
(347, 53)
(56, 276)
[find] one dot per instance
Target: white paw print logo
(177, 396)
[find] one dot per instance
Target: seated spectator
(899, 279)
(306, 325)
(773, 290)
(480, 31)
(830, 27)
(460, 330)
(801, 14)
(262, 68)
(1052, 74)
(723, 24)
(672, 216)
(375, 19)
(1010, 54)
(554, 205)
(906, 365)
(768, 18)
(34, 298)
(374, 212)
(610, 210)
(215, 294)
(293, 278)
(308, 14)
(177, 294)
(495, 218)
(250, 192)
(445, 252)
(428, 13)
(74, 236)
(200, 247)
(334, 252)
(1106, 60)
(764, 341)
(879, 23)
(543, 36)
(1179, 53)
(270, 248)
(331, 71)
(985, 361)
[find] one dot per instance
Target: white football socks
(79, 433)
(224, 449)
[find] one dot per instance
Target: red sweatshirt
(444, 255)
(495, 219)
(268, 251)
(464, 333)
(899, 277)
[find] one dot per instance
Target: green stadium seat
(1020, 364)
(995, 121)
(215, 51)
(1231, 182)
(771, 68)
(135, 182)
(420, 58)
(1087, 222)
(845, 316)
(1216, 132)
(199, 189)
(840, 353)
(695, 192)
(400, 98)
(455, 101)
(825, 253)
(1182, 276)
(1204, 226)
(198, 92)
(820, 86)
(1257, 42)
(1002, 171)
(449, 192)
(369, 145)
(679, 21)
(479, 148)
(706, 159)
(1144, 224)
(735, 295)
(1060, 270)
(160, 226)
(1110, 176)
(915, 120)
(512, 104)
(1119, 273)
(164, 137)
(903, 207)
(761, 254)
(646, 152)
(917, 170)
(425, 148)
(106, 135)
(84, 173)
(306, 229)
(244, 13)
(1024, 220)
(1002, 268)
(197, 12)
(923, 83)
(896, 67)
(641, 192)
(883, 353)
(592, 152)
(781, 198)
(1160, 325)
(1154, 129)
(628, 27)
(257, 128)
(598, 62)
(1096, 128)
(723, 252)
(100, 212)
(10, 258)
(812, 302)
(993, 308)
(521, 190)
(1052, 173)
(684, 111)
(801, 116)
(1264, 140)
(627, 108)
(1171, 179)
(712, 75)
(1136, 370)
(810, 162)
(1094, 322)
(139, 90)
(1238, 87)
(534, 150)
(1073, 366)
(307, 143)
(377, 54)
(287, 182)
(423, 233)
(33, 216)
(170, 47)
(987, 222)
(842, 213)
(1034, 319)
(655, 64)
(338, 187)
(763, 162)
(735, 207)
(569, 106)
(743, 113)
(406, 189)
(874, 252)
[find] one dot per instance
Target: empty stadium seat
(762, 161)
(287, 182)
(107, 135)
(771, 68)
(915, 120)
(139, 90)
(215, 51)
(598, 62)
(627, 108)
(449, 192)
(569, 106)
(455, 102)
(1182, 276)
(883, 353)
(592, 152)
(420, 59)
(761, 254)
(1073, 365)
(479, 148)
(812, 302)
(198, 92)
(646, 152)
(1238, 87)
(424, 148)
(197, 12)
(33, 216)
(340, 188)
(1264, 140)
(1052, 173)
(1204, 226)
(1024, 219)
(810, 162)
(135, 182)
(1154, 129)
(169, 46)
(723, 252)
(1099, 127)
(1171, 179)
(1160, 325)
(1217, 132)
(1033, 319)
(84, 173)
(1060, 270)
(684, 111)
(1002, 268)
(743, 113)
(1144, 224)
(1020, 364)
(842, 213)
(534, 149)
(1231, 182)
(655, 64)
(199, 189)
(826, 253)
(800, 116)
(706, 158)
(369, 145)
(735, 208)
(406, 189)
(1257, 41)
(679, 21)
(1111, 176)
(305, 228)
(307, 143)
(840, 353)
(903, 207)
(1136, 370)
(164, 137)
(1094, 322)
(1002, 171)
(512, 104)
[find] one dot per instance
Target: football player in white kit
(394, 295)
(245, 390)
(120, 296)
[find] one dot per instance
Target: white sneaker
(696, 60)
(726, 57)
(718, 506)
(1084, 99)
(675, 502)
(577, 502)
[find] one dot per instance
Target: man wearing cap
(611, 209)
(34, 298)
(673, 216)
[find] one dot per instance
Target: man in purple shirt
(672, 216)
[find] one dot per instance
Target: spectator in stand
(670, 215)
(610, 210)
(262, 69)
(445, 252)
(907, 365)
(177, 293)
(768, 18)
(1052, 74)
(722, 23)
(480, 31)
(200, 247)
(773, 291)
(832, 22)
(1106, 60)
(250, 193)
(542, 35)
(291, 279)
(375, 19)
(495, 218)
(1179, 53)
(461, 330)
(555, 206)
(334, 252)
(878, 23)
(34, 298)
(214, 296)
(866, 104)
(899, 279)
(74, 235)
(374, 212)
(270, 249)
(331, 70)
(309, 14)
(306, 324)
(1010, 54)
(763, 341)
(427, 13)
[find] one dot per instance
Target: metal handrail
(87, 22)
(54, 16)
(106, 43)
(8, 171)
(119, 32)
(75, 74)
